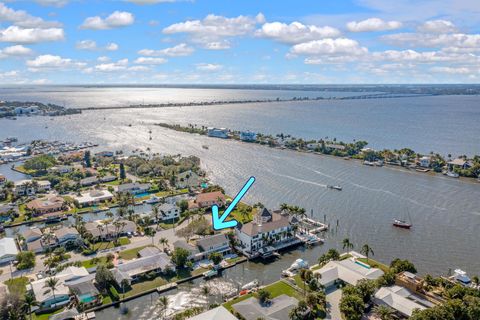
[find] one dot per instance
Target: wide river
(445, 212)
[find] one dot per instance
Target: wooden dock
(167, 287)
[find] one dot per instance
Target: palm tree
(347, 244)
(367, 250)
(384, 312)
(163, 304)
(30, 301)
(475, 280)
(206, 292)
(163, 242)
(306, 276)
(52, 284)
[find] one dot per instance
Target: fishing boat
(335, 187)
(452, 174)
(251, 285)
(401, 224)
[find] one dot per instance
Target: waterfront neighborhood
(82, 244)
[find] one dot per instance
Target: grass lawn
(241, 214)
(44, 316)
(17, 285)
(144, 286)
(94, 262)
(276, 289)
(131, 253)
(375, 264)
(109, 245)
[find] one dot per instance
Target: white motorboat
(152, 199)
(251, 285)
(452, 174)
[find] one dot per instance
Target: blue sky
(206, 41)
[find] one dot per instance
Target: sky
(239, 42)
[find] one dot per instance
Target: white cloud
(217, 45)
(115, 20)
(17, 50)
(454, 40)
(295, 32)
(340, 46)
(212, 30)
(86, 45)
(150, 60)
(209, 67)
(30, 35)
(179, 50)
(103, 59)
(54, 3)
(452, 70)
(48, 62)
(438, 26)
(373, 24)
(112, 67)
(112, 46)
(40, 81)
(23, 19)
(139, 68)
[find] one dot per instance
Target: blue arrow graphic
(219, 223)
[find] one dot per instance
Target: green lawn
(241, 214)
(17, 285)
(375, 264)
(144, 286)
(94, 262)
(276, 289)
(45, 316)
(131, 253)
(109, 245)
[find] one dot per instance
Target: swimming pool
(366, 266)
(141, 195)
(86, 298)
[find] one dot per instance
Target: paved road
(333, 301)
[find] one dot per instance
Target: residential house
(60, 169)
(67, 236)
(102, 231)
(8, 250)
(134, 188)
(29, 187)
(36, 246)
(425, 162)
(26, 110)
(105, 154)
(169, 211)
(8, 211)
(218, 313)
(269, 231)
(133, 270)
(459, 163)
(248, 136)
(85, 291)
(399, 299)
(415, 284)
(348, 270)
(46, 205)
(278, 308)
(89, 181)
(3, 180)
(207, 199)
(148, 251)
(93, 197)
(48, 299)
(31, 234)
(194, 255)
(216, 243)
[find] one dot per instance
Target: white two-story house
(169, 211)
(216, 243)
(267, 233)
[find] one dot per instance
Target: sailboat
(400, 223)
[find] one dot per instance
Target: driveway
(333, 301)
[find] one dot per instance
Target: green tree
(347, 244)
(264, 296)
(180, 257)
(352, 307)
(183, 205)
(367, 250)
(87, 159)
(30, 302)
(216, 258)
(26, 260)
(52, 284)
(400, 265)
(123, 175)
(306, 275)
(384, 312)
(163, 302)
(103, 277)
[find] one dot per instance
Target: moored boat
(401, 224)
(251, 285)
(452, 174)
(335, 187)
(210, 273)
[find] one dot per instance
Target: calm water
(445, 212)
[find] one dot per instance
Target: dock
(167, 287)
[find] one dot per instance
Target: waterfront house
(248, 136)
(188, 179)
(425, 162)
(459, 163)
(399, 299)
(268, 232)
(132, 271)
(348, 270)
(134, 188)
(277, 309)
(85, 292)
(218, 313)
(208, 199)
(89, 181)
(415, 284)
(46, 205)
(194, 253)
(169, 211)
(8, 211)
(105, 154)
(60, 169)
(107, 232)
(29, 187)
(8, 250)
(26, 110)
(67, 236)
(36, 246)
(46, 298)
(93, 197)
(216, 243)
(217, 132)
(31, 234)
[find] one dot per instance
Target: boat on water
(205, 147)
(251, 285)
(401, 224)
(295, 266)
(452, 174)
(334, 187)
(368, 163)
(210, 273)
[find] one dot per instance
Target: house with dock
(207, 199)
(134, 188)
(248, 136)
(30, 187)
(267, 233)
(49, 204)
(217, 243)
(93, 197)
(217, 132)
(132, 271)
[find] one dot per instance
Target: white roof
(219, 313)
(8, 247)
(94, 195)
(394, 297)
(347, 270)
